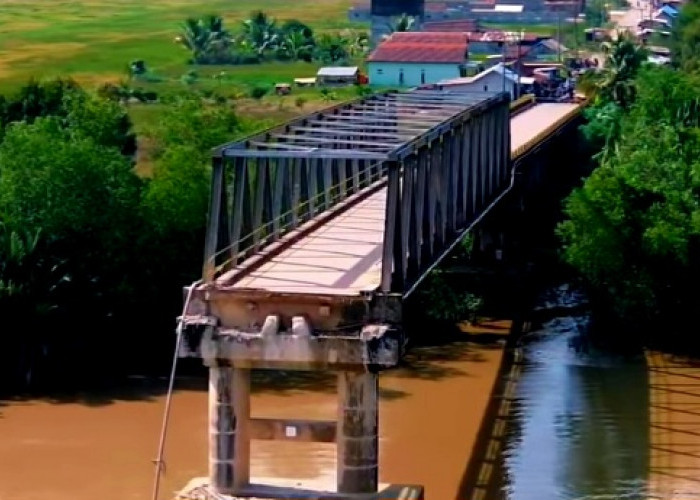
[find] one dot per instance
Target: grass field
(94, 40)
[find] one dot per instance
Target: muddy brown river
(583, 425)
(101, 448)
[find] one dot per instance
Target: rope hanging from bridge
(159, 462)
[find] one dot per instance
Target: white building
(494, 79)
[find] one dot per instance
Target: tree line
(261, 38)
(93, 257)
(633, 227)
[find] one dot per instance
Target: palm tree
(204, 37)
(403, 23)
(296, 45)
(30, 283)
(332, 49)
(260, 32)
(623, 58)
(614, 82)
(358, 42)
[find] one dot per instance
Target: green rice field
(94, 40)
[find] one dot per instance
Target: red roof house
(416, 58)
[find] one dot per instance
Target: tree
(686, 37)
(357, 43)
(296, 46)
(332, 49)
(260, 32)
(296, 26)
(103, 120)
(62, 181)
(37, 99)
(30, 287)
(623, 59)
(633, 228)
(206, 39)
(403, 23)
(190, 122)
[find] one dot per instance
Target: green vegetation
(686, 38)
(262, 39)
(93, 41)
(90, 252)
(633, 228)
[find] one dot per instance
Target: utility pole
(503, 61)
(558, 36)
(518, 64)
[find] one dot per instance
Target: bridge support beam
(357, 438)
(229, 417)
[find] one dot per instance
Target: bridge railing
(273, 196)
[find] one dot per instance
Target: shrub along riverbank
(633, 228)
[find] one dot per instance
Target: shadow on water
(570, 424)
(426, 362)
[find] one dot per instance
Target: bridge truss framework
(443, 157)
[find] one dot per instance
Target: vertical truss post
(214, 219)
(392, 226)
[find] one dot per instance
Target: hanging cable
(158, 462)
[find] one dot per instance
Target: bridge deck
(526, 126)
(343, 257)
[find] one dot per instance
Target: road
(639, 9)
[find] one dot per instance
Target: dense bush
(92, 257)
(633, 228)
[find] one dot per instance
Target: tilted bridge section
(318, 230)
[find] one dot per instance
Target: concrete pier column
(229, 442)
(357, 436)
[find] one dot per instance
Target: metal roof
(379, 127)
(444, 53)
(454, 25)
(422, 47)
(337, 71)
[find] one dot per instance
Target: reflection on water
(579, 425)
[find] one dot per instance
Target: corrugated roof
(457, 25)
(554, 45)
(515, 51)
(668, 10)
(337, 71)
(510, 75)
(427, 37)
(422, 47)
(435, 6)
(420, 52)
(499, 36)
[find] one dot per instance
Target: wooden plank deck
(343, 257)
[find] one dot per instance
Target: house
(492, 42)
(666, 13)
(495, 79)
(416, 58)
(654, 24)
(453, 25)
(338, 75)
(546, 49)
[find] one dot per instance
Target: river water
(578, 428)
